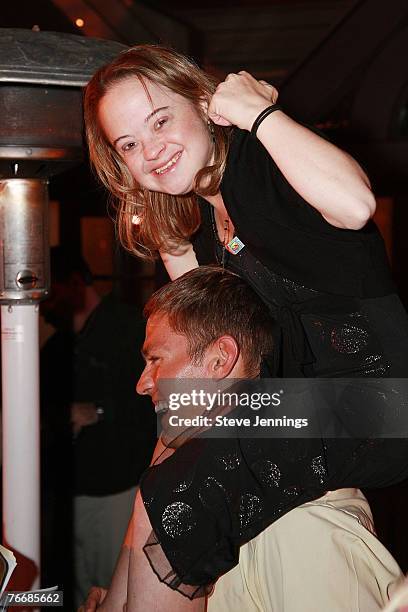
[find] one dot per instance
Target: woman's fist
(239, 99)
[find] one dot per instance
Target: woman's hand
(239, 99)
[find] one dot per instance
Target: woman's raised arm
(326, 177)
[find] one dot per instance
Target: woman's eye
(160, 123)
(128, 147)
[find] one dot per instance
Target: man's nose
(144, 385)
(152, 149)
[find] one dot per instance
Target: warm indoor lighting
(79, 23)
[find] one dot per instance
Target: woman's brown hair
(165, 221)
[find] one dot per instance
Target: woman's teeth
(169, 164)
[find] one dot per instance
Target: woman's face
(163, 141)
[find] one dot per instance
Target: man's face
(166, 355)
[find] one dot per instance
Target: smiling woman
(167, 85)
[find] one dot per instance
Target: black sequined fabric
(321, 334)
(235, 488)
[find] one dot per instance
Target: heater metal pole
(21, 418)
(24, 280)
(41, 77)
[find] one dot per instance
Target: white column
(21, 431)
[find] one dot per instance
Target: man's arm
(145, 591)
(114, 599)
(134, 583)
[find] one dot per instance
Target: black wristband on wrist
(267, 111)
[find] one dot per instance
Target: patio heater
(41, 76)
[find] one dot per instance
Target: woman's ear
(204, 104)
(221, 357)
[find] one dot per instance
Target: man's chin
(161, 407)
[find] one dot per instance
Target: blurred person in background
(98, 435)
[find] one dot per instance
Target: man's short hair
(208, 302)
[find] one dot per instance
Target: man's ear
(221, 357)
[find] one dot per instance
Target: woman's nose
(152, 149)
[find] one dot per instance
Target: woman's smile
(169, 166)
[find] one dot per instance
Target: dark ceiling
(267, 37)
(26, 14)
